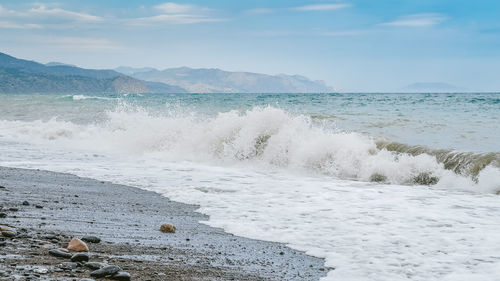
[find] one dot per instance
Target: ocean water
(383, 186)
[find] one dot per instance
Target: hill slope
(23, 76)
(219, 81)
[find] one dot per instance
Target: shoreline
(127, 219)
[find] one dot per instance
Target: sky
(353, 45)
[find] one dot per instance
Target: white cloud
(174, 19)
(174, 8)
(322, 7)
(14, 25)
(174, 13)
(43, 11)
(417, 20)
(41, 16)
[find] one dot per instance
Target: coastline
(127, 219)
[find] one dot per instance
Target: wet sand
(127, 219)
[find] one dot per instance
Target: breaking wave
(266, 137)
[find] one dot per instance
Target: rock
(77, 245)
(167, 228)
(95, 265)
(80, 257)
(105, 271)
(91, 239)
(9, 232)
(3, 215)
(121, 276)
(13, 209)
(87, 279)
(41, 270)
(68, 265)
(59, 253)
(50, 237)
(3, 243)
(26, 203)
(2, 187)
(39, 207)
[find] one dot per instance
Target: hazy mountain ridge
(24, 76)
(214, 80)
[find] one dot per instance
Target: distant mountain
(55, 63)
(23, 76)
(434, 87)
(219, 81)
(132, 70)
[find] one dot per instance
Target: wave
(84, 97)
(266, 137)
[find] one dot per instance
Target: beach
(48, 209)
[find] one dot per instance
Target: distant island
(24, 76)
(432, 87)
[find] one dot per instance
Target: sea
(382, 186)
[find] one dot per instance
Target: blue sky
(354, 45)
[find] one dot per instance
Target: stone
(105, 271)
(68, 265)
(2, 187)
(167, 228)
(26, 203)
(3, 243)
(59, 253)
(41, 270)
(87, 279)
(121, 276)
(13, 209)
(80, 257)
(3, 215)
(95, 265)
(39, 206)
(91, 239)
(9, 232)
(77, 245)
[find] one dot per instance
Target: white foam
(297, 189)
(266, 138)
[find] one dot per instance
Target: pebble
(95, 265)
(121, 276)
(3, 215)
(41, 270)
(80, 257)
(13, 209)
(59, 253)
(39, 206)
(91, 239)
(26, 203)
(77, 245)
(167, 228)
(9, 232)
(68, 265)
(105, 271)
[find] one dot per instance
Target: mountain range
(214, 80)
(24, 76)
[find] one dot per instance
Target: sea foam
(262, 138)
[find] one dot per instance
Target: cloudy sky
(354, 45)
